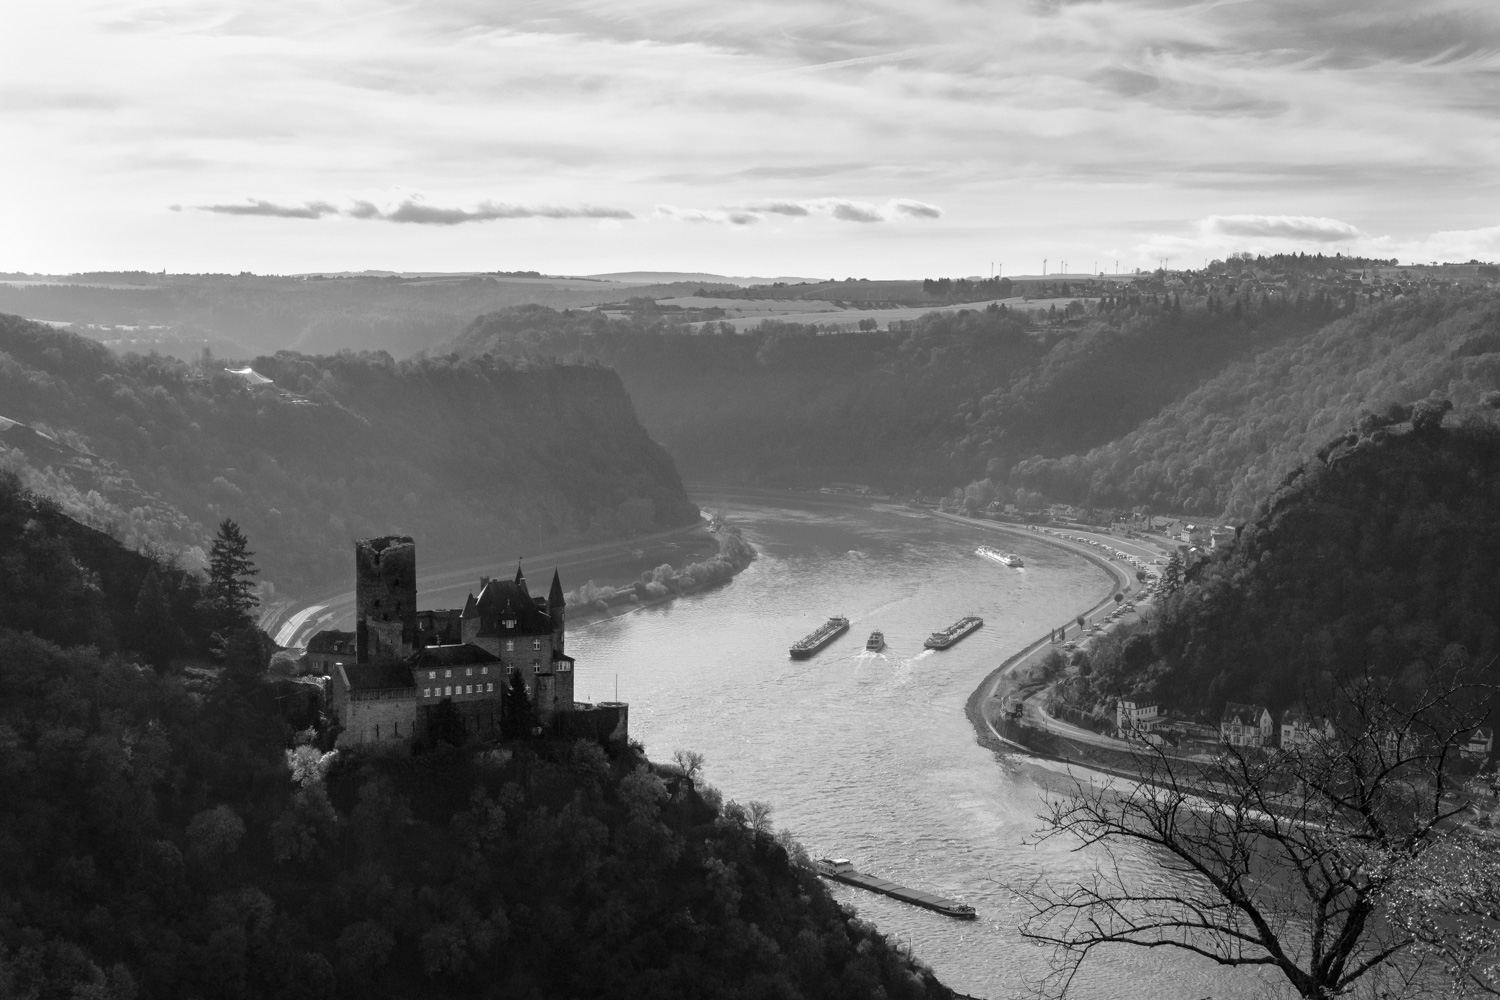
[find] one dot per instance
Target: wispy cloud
(255, 206)
(417, 211)
(1304, 228)
(842, 209)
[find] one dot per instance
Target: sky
(823, 138)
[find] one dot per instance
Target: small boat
(841, 870)
(953, 633)
(819, 637)
(876, 642)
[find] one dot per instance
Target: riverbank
(984, 704)
(592, 602)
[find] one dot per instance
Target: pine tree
(153, 631)
(230, 589)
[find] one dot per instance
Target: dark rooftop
(377, 676)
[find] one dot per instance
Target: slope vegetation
(473, 456)
(167, 836)
(1224, 444)
(1382, 552)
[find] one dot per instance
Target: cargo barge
(953, 633)
(1007, 558)
(841, 870)
(820, 637)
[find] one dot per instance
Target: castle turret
(385, 597)
(555, 607)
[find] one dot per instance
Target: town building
(1300, 728)
(1246, 725)
(412, 671)
(328, 649)
(1480, 743)
(1136, 716)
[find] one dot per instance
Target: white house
(1299, 728)
(1246, 725)
(1136, 716)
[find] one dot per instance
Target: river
(869, 755)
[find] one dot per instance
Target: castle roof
(462, 654)
(503, 601)
(383, 676)
(331, 641)
(555, 596)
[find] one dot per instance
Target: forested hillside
(925, 405)
(1381, 551)
(471, 457)
(171, 835)
(1225, 444)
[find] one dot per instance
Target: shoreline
(975, 705)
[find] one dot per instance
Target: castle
(415, 671)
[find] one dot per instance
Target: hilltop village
(497, 665)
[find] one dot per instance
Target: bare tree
(1290, 859)
(1451, 906)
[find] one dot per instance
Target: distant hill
(674, 277)
(476, 456)
(1224, 444)
(931, 403)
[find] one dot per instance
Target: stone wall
(375, 717)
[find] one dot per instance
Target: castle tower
(385, 597)
(555, 606)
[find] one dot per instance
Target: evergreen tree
(153, 631)
(517, 717)
(1171, 575)
(230, 589)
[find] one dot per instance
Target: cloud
(419, 212)
(415, 210)
(850, 211)
(1302, 228)
(842, 209)
(917, 209)
(779, 208)
(255, 206)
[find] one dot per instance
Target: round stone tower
(385, 597)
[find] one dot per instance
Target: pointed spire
(519, 578)
(555, 598)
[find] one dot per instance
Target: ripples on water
(869, 755)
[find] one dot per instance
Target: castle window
(432, 675)
(510, 645)
(490, 686)
(447, 673)
(468, 671)
(536, 666)
(468, 689)
(427, 692)
(484, 670)
(536, 644)
(509, 623)
(447, 690)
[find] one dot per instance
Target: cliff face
(474, 457)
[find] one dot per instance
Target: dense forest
(933, 402)
(177, 833)
(481, 456)
(1380, 551)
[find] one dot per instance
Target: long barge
(1007, 558)
(953, 633)
(841, 870)
(819, 637)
